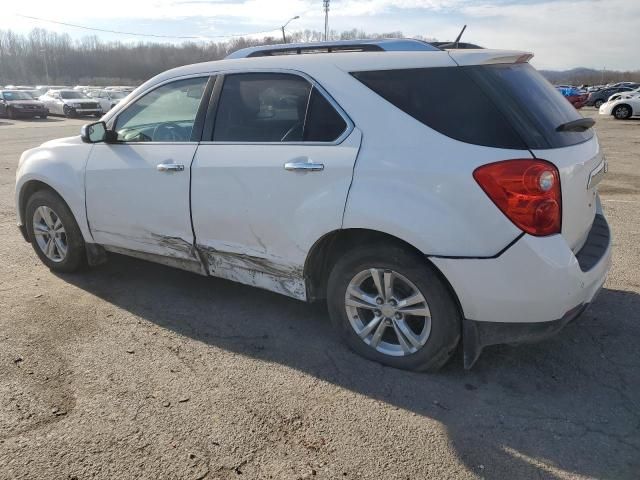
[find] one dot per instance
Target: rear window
(504, 106)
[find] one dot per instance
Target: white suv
(429, 196)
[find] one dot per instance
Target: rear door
(271, 178)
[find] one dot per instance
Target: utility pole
(325, 4)
(46, 67)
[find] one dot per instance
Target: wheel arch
(27, 190)
(328, 248)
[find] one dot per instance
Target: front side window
(274, 107)
(166, 114)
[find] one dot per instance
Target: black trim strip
(198, 124)
(455, 257)
(210, 120)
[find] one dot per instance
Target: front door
(271, 178)
(137, 189)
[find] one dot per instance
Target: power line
(143, 34)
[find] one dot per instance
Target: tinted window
(323, 123)
(166, 114)
(504, 106)
(274, 107)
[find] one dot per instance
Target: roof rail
(381, 45)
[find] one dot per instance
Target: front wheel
(54, 233)
(622, 112)
(392, 307)
(598, 103)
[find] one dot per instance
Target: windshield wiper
(579, 125)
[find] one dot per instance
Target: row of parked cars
(596, 95)
(42, 100)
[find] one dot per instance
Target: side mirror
(94, 132)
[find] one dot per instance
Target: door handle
(170, 167)
(303, 167)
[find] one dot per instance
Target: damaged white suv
(430, 196)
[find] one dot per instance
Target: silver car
(70, 103)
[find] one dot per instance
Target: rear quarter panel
(417, 184)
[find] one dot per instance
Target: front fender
(59, 164)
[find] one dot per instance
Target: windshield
(118, 95)
(72, 95)
(16, 96)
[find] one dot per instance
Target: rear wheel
(598, 103)
(54, 233)
(622, 112)
(392, 307)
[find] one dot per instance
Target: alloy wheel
(621, 112)
(50, 234)
(388, 312)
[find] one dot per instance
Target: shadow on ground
(571, 403)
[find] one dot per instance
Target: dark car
(598, 98)
(16, 103)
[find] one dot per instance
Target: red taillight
(526, 191)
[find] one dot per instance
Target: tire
(75, 257)
(68, 112)
(97, 115)
(43, 117)
(444, 325)
(622, 112)
(598, 103)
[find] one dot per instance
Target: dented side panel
(254, 221)
(132, 205)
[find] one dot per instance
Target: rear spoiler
(488, 57)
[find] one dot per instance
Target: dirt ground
(134, 370)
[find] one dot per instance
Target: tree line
(45, 57)
(30, 59)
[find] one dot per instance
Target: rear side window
(323, 123)
(504, 106)
(274, 107)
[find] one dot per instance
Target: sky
(562, 34)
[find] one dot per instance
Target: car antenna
(455, 44)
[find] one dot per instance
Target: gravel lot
(134, 370)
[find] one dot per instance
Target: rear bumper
(531, 290)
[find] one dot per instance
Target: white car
(107, 98)
(70, 103)
(331, 176)
(622, 106)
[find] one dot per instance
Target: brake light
(526, 191)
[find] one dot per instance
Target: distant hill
(589, 76)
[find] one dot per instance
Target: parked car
(622, 108)
(16, 103)
(70, 103)
(331, 176)
(596, 99)
(574, 96)
(107, 98)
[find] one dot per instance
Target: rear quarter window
(504, 106)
